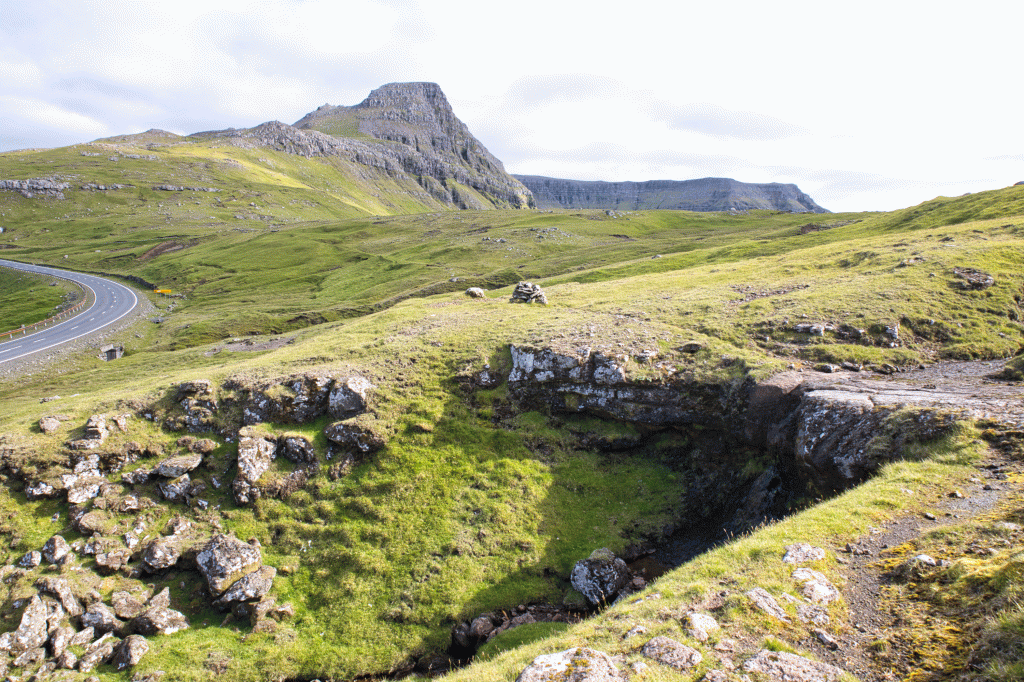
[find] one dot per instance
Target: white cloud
(863, 107)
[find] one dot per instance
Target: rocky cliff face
(426, 140)
(707, 194)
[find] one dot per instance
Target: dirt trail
(874, 646)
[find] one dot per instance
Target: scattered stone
(766, 602)
(129, 652)
(97, 652)
(599, 578)
(974, 279)
(672, 653)
(578, 664)
(31, 559)
(701, 626)
(779, 665)
(802, 553)
(816, 587)
(66, 660)
(528, 293)
(634, 631)
(826, 639)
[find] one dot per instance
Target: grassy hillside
(472, 506)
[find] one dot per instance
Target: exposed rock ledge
(833, 430)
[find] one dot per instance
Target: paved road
(112, 302)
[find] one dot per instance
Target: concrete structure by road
(111, 302)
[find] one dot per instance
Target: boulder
(176, 489)
(60, 639)
(816, 587)
(126, 605)
(476, 292)
(672, 653)
(349, 397)
(254, 457)
(114, 560)
(359, 435)
(578, 664)
(251, 587)
(161, 554)
(298, 449)
(31, 559)
(600, 579)
(226, 559)
(177, 466)
(101, 618)
(129, 652)
(701, 625)
(49, 424)
(32, 631)
(159, 620)
(55, 549)
(779, 665)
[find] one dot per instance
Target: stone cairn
(528, 293)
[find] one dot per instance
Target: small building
(111, 352)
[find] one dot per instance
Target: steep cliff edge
(707, 194)
(429, 142)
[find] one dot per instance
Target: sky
(865, 106)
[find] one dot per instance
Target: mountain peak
(416, 121)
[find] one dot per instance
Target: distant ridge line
(705, 194)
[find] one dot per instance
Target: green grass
(472, 507)
(28, 298)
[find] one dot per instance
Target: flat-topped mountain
(707, 194)
(429, 142)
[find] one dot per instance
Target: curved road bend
(112, 302)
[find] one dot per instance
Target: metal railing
(25, 329)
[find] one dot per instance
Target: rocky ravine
(826, 430)
(707, 194)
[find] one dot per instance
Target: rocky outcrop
(830, 431)
(36, 187)
(707, 194)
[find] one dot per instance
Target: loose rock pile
(528, 293)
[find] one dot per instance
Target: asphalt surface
(111, 302)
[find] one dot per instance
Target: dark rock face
(707, 194)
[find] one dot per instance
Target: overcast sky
(869, 105)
